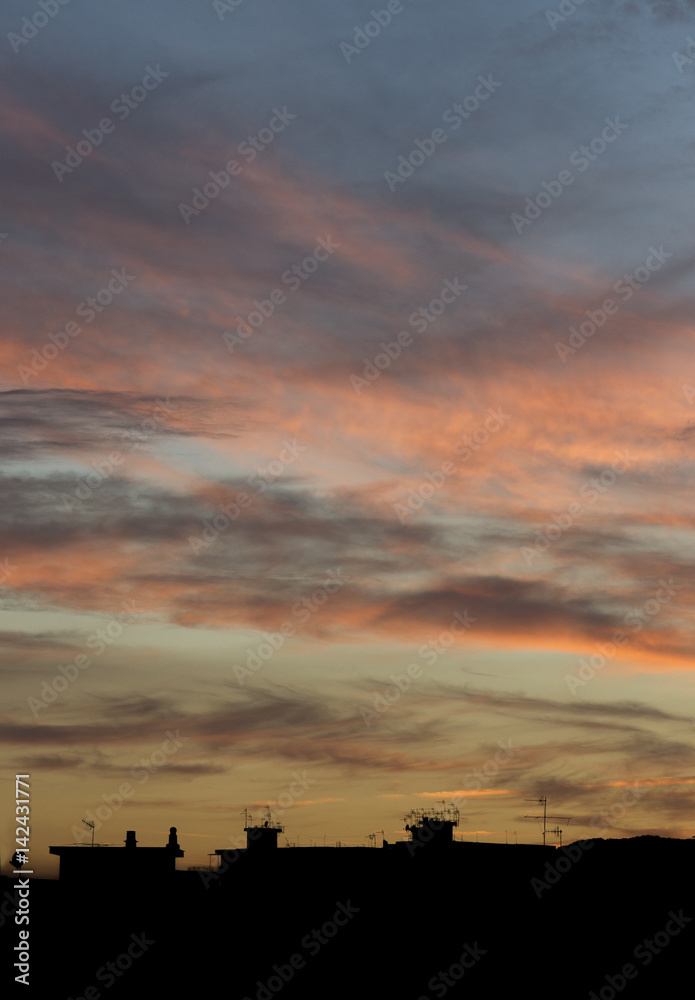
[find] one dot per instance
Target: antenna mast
(557, 831)
(544, 802)
(91, 824)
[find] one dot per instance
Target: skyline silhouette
(474, 912)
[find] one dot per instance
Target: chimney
(130, 840)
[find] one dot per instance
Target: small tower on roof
(262, 837)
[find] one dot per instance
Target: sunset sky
(348, 397)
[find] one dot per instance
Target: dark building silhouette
(81, 862)
(429, 916)
(262, 838)
(434, 830)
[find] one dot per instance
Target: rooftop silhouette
(407, 919)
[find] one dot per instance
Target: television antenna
(557, 832)
(91, 824)
(544, 802)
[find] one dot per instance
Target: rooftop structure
(80, 862)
